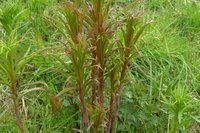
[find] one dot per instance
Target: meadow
(110, 66)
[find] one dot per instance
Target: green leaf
(24, 92)
(65, 90)
(196, 118)
(140, 32)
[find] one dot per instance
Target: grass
(161, 87)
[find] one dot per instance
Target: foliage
(50, 51)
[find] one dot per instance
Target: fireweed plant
(98, 56)
(14, 63)
(11, 68)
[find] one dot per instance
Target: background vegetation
(163, 81)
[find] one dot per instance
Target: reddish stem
(16, 110)
(110, 113)
(94, 86)
(118, 95)
(84, 108)
(100, 87)
(110, 119)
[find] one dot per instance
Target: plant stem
(84, 107)
(94, 87)
(100, 87)
(118, 95)
(174, 125)
(16, 110)
(110, 113)
(110, 119)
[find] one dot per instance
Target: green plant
(89, 37)
(12, 62)
(182, 107)
(9, 65)
(92, 46)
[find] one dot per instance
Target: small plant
(10, 66)
(182, 107)
(12, 62)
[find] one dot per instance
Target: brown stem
(100, 87)
(94, 87)
(118, 95)
(110, 119)
(16, 110)
(84, 108)
(110, 113)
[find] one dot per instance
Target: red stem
(16, 110)
(100, 87)
(118, 95)
(110, 113)
(94, 86)
(110, 119)
(84, 108)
